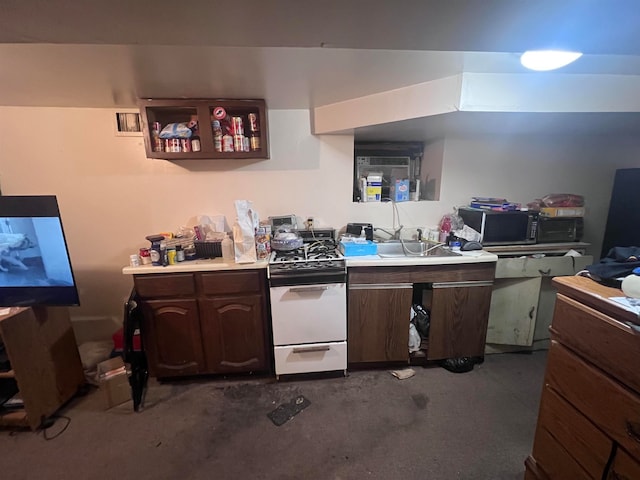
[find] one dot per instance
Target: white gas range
(309, 306)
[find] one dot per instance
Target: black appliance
(317, 261)
(502, 228)
(560, 229)
(623, 221)
(35, 267)
(356, 229)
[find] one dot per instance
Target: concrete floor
(436, 425)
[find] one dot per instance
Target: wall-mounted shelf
(243, 125)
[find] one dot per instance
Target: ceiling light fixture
(543, 60)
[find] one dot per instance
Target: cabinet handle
(475, 283)
(312, 349)
(380, 286)
(633, 430)
(309, 289)
(533, 309)
(544, 272)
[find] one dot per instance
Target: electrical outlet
(309, 223)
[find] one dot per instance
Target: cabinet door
(459, 315)
(172, 337)
(547, 301)
(378, 322)
(233, 333)
(514, 306)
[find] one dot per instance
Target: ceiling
(293, 53)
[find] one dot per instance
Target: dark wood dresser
(589, 419)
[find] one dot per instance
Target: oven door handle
(311, 288)
(321, 348)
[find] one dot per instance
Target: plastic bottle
(171, 255)
(227, 249)
(445, 228)
(631, 284)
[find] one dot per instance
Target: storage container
(358, 248)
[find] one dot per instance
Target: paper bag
(244, 232)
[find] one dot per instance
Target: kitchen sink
(412, 248)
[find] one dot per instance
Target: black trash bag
(460, 364)
(421, 320)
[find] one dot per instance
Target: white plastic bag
(414, 338)
(244, 232)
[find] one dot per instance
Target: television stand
(45, 363)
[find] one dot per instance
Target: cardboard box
(374, 187)
(562, 211)
(400, 189)
(114, 382)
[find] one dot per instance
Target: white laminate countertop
(477, 256)
(218, 264)
(200, 265)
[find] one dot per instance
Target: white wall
(523, 168)
(111, 196)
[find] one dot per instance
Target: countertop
(215, 264)
(477, 256)
(200, 265)
(545, 248)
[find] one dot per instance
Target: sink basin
(412, 248)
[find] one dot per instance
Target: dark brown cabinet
(377, 331)
(173, 338)
(201, 323)
(379, 306)
(242, 133)
(229, 326)
(459, 317)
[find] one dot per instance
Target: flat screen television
(35, 268)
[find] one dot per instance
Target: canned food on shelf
(227, 143)
(237, 126)
(253, 122)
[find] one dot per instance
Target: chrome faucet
(393, 236)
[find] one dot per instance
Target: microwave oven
(502, 228)
(560, 229)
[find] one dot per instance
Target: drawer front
(228, 283)
(313, 357)
(607, 404)
(610, 345)
(165, 285)
(533, 471)
(556, 462)
(624, 467)
(587, 446)
(538, 267)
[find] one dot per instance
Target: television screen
(35, 268)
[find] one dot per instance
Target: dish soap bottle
(227, 249)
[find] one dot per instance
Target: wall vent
(128, 124)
